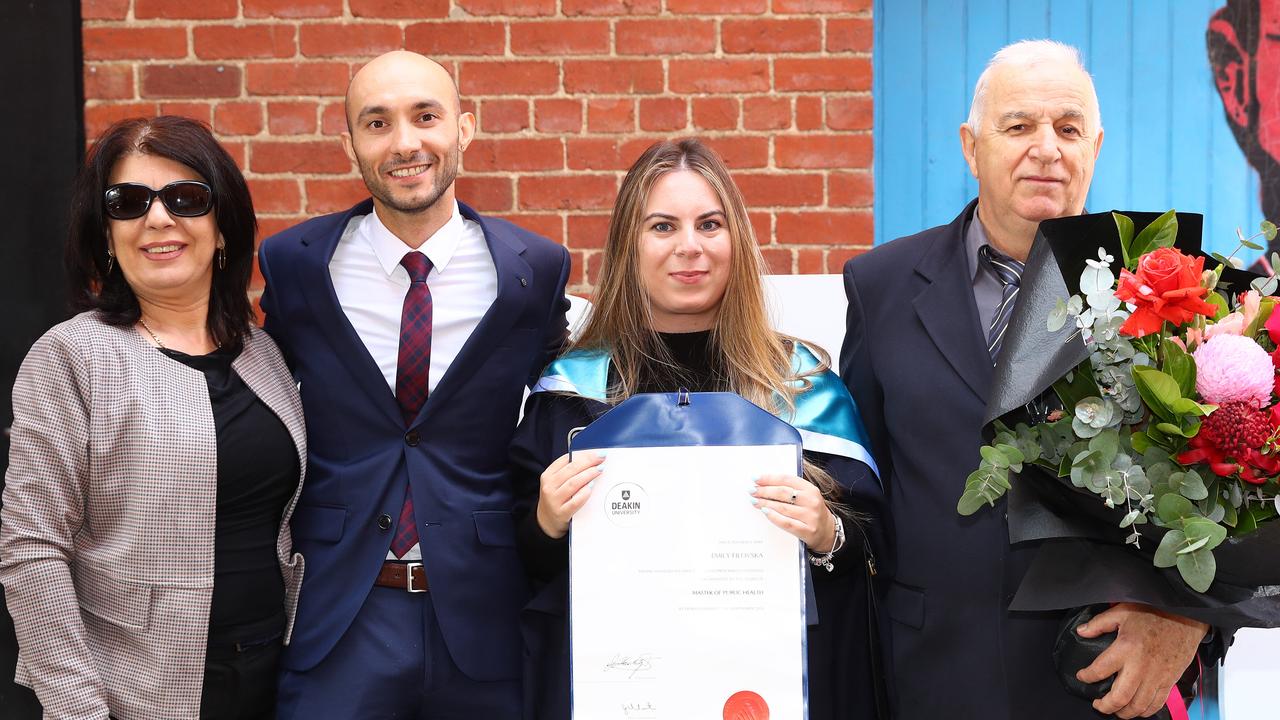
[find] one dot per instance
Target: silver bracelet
(825, 560)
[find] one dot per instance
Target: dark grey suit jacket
(915, 359)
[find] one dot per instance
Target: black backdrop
(42, 132)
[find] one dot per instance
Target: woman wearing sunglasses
(157, 450)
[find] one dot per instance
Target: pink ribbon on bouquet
(1177, 708)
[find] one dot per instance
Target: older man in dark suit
(925, 324)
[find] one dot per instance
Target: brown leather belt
(409, 577)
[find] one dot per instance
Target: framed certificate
(685, 601)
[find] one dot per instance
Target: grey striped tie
(1009, 271)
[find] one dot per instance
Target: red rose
(1166, 288)
(1273, 328)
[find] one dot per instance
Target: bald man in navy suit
(413, 325)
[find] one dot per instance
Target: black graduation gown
(840, 667)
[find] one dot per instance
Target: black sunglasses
(184, 198)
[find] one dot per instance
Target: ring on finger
(792, 501)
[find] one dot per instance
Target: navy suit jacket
(453, 456)
(915, 359)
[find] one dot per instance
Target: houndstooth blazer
(106, 533)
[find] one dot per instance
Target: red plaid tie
(413, 368)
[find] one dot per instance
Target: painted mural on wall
(1244, 51)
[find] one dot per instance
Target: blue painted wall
(1166, 140)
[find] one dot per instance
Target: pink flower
(1195, 336)
(1232, 324)
(1250, 304)
(1232, 368)
(1237, 322)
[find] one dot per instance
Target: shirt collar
(439, 248)
(975, 236)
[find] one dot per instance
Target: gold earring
(111, 260)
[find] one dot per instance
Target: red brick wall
(567, 93)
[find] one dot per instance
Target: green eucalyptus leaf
(1057, 316)
(984, 485)
(1111, 489)
(1268, 229)
(1235, 495)
(1191, 486)
(1193, 545)
(971, 502)
(993, 456)
(1167, 552)
(1012, 455)
(1107, 445)
(1028, 442)
(1130, 517)
(1173, 508)
(1230, 516)
(1088, 470)
(1158, 469)
(1201, 528)
(1197, 569)
(1251, 244)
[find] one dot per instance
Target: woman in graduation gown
(680, 304)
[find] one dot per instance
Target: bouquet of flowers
(1172, 420)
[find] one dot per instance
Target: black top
(257, 474)
(695, 369)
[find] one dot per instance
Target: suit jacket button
(411, 438)
(384, 522)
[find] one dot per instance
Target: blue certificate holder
(652, 682)
(683, 419)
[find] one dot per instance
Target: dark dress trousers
(915, 360)
(453, 456)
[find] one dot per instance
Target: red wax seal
(746, 705)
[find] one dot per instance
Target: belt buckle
(408, 578)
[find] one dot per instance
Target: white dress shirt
(371, 285)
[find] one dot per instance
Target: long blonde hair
(754, 358)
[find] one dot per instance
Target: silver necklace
(155, 337)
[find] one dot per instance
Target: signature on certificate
(630, 664)
(639, 710)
